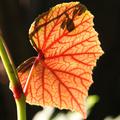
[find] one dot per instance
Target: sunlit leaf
(68, 48)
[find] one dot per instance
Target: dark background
(15, 19)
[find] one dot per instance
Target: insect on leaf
(68, 48)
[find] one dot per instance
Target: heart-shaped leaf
(68, 48)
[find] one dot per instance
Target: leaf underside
(68, 48)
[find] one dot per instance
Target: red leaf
(68, 48)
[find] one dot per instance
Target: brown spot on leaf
(79, 9)
(70, 25)
(63, 24)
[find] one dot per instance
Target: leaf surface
(68, 48)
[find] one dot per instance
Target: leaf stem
(15, 85)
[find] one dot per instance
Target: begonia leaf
(68, 48)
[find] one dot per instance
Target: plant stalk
(15, 85)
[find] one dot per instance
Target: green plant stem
(14, 81)
(21, 108)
